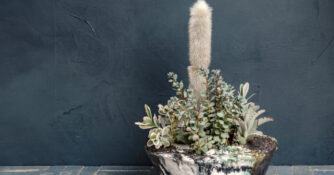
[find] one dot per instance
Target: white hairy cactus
(197, 81)
(200, 25)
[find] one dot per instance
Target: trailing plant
(219, 118)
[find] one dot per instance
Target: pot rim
(162, 150)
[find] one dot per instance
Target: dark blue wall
(75, 74)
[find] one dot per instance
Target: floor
(142, 170)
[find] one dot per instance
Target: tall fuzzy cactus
(199, 45)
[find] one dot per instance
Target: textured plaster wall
(75, 74)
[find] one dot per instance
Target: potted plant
(210, 127)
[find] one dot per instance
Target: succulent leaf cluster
(248, 123)
(159, 134)
(221, 117)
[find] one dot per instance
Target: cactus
(199, 45)
(209, 114)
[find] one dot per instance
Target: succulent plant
(248, 122)
(219, 118)
(210, 114)
(159, 134)
(200, 25)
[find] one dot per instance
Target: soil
(262, 145)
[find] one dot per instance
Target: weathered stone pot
(251, 159)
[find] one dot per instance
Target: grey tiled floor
(144, 170)
(301, 170)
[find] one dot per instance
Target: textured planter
(251, 159)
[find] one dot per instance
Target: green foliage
(159, 134)
(222, 117)
(248, 124)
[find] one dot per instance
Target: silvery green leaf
(181, 124)
(165, 131)
(139, 123)
(204, 148)
(224, 135)
(210, 138)
(216, 138)
(185, 94)
(161, 121)
(161, 107)
(155, 120)
(181, 85)
(149, 143)
(200, 115)
(201, 133)
(221, 122)
(245, 89)
(241, 124)
(153, 136)
(147, 120)
(229, 120)
(251, 119)
(259, 113)
(201, 125)
(257, 133)
(264, 120)
(143, 126)
(209, 145)
(217, 132)
(211, 115)
(255, 107)
(158, 135)
(225, 126)
(221, 114)
(195, 137)
(165, 142)
(240, 89)
(148, 111)
(157, 145)
(192, 121)
(151, 132)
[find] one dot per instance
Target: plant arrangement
(219, 118)
(209, 127)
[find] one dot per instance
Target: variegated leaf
(148, 111)
(264, 120)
